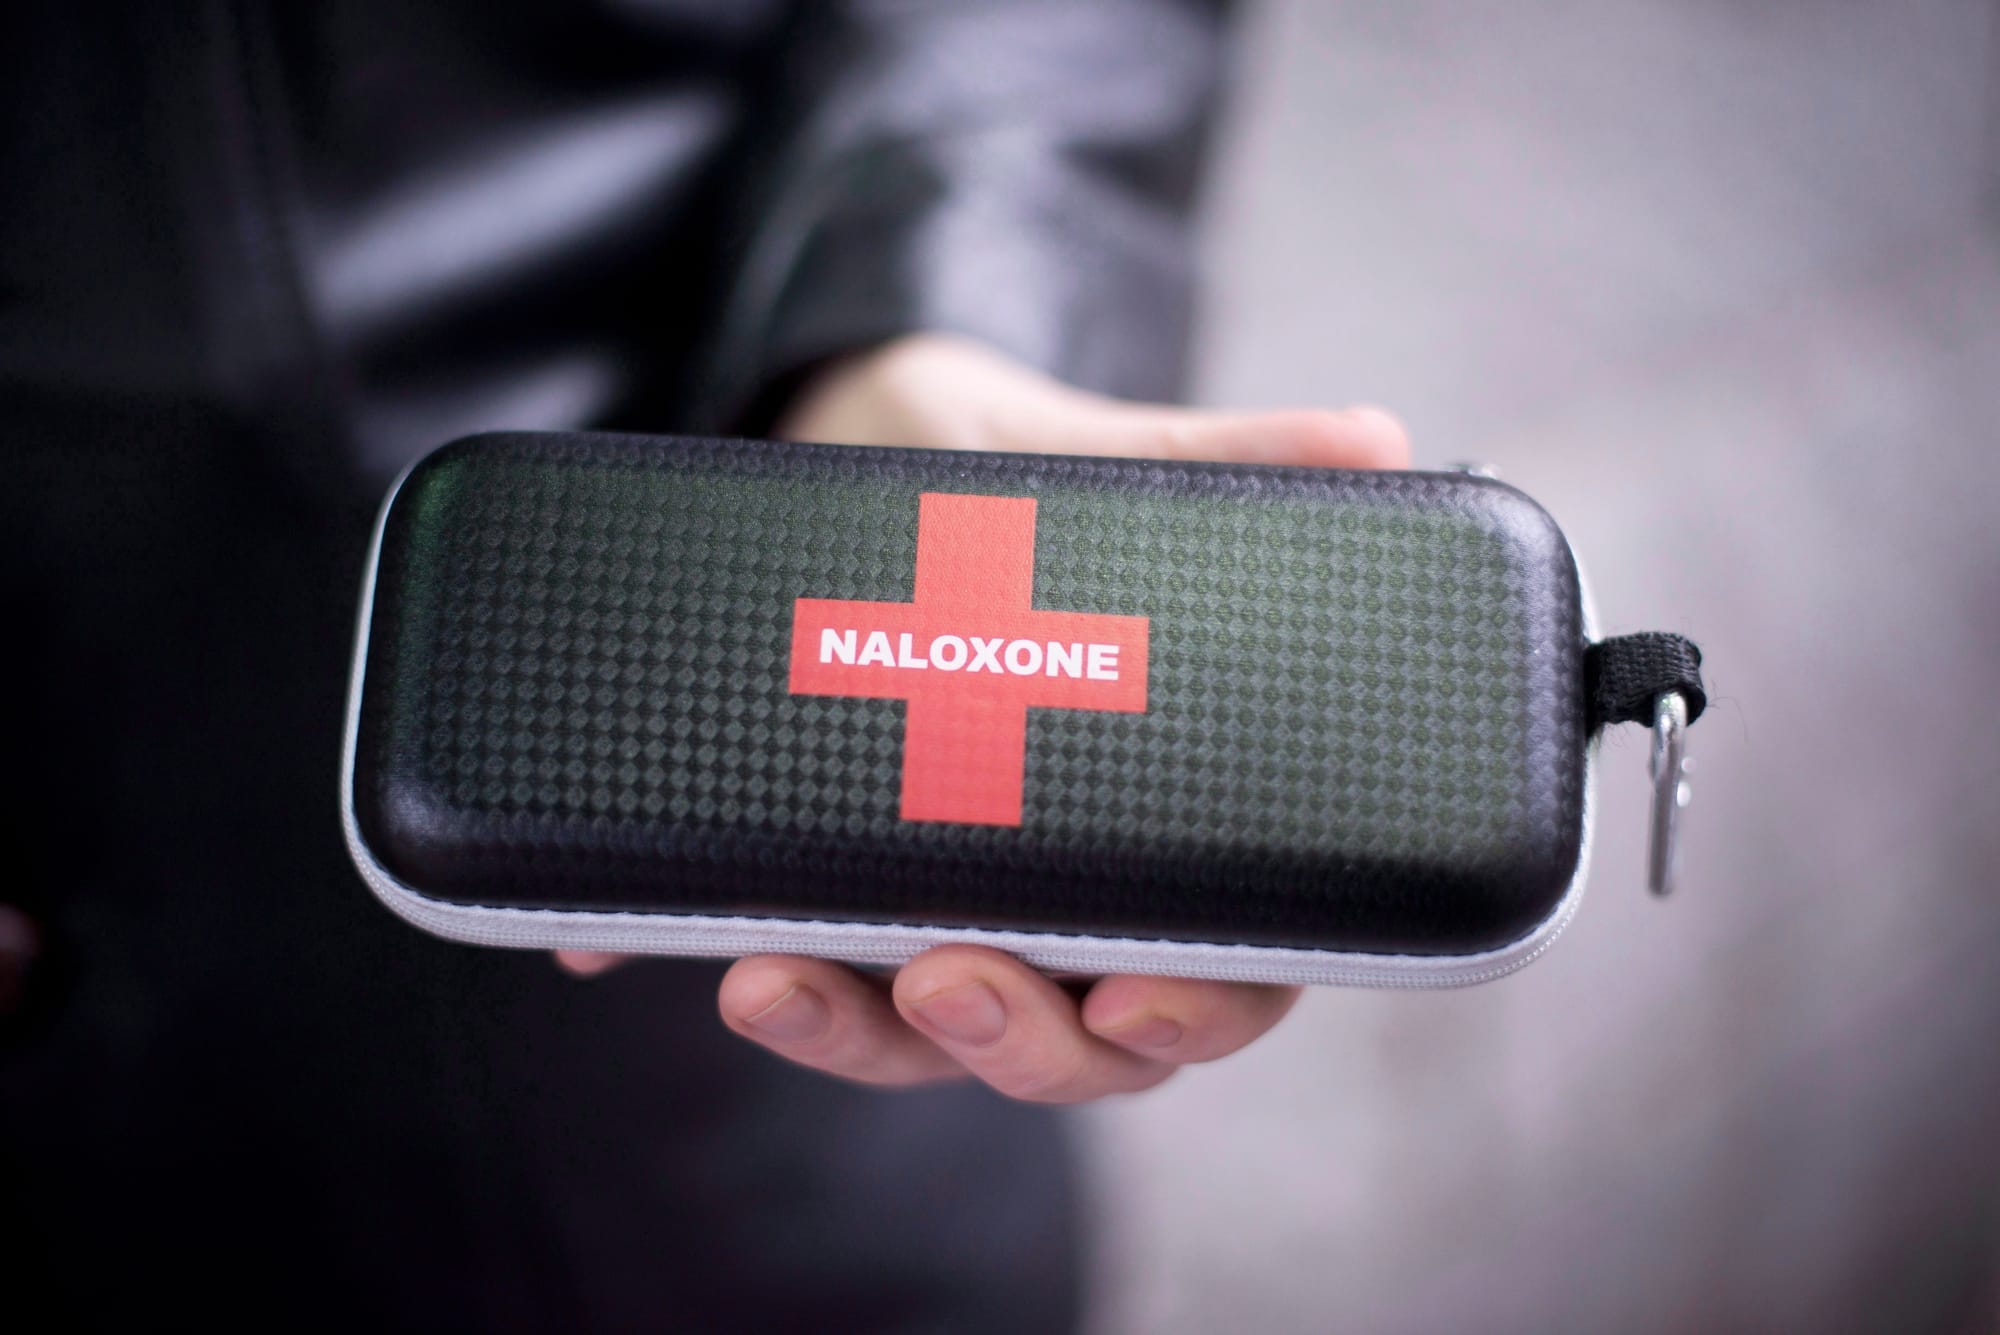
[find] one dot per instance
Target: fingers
(966, 1009)
(828, 1017)
(588, 963)
(1183, 1020)
(1015, 1029)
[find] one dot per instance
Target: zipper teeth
(677, 935)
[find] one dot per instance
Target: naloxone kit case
(714, 697)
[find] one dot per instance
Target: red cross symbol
(969, 657)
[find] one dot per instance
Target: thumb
(1360, 437)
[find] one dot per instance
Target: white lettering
(950, 653)
(836, 644)
(1024, 658)
(951, 644)
(876, 650)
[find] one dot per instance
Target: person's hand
(959, 1011)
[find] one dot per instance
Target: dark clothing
(254, 258)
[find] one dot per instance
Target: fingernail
(1158, 1032)
(969, 1013)
(798, 1015)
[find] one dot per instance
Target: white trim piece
(889, 943)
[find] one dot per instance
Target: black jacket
(253, 258)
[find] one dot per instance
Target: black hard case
(1362, 756)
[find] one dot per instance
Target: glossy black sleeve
(1019, 173)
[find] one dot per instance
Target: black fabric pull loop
(1624, 675)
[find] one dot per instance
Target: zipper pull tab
(1670, 766)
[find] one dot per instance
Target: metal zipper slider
(1670, 768)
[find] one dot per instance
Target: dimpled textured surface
(1365, 722)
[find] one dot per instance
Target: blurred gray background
(1718, 281)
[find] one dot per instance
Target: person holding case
(258, 257)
